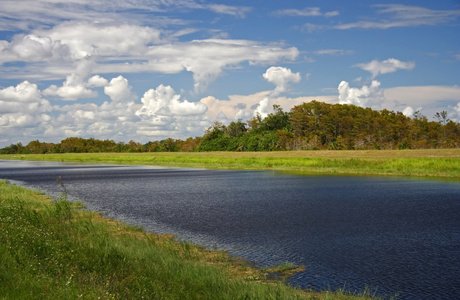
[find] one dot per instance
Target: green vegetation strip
(54, 250)
(428, 162)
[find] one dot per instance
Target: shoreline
(65, 219)
(442, 163)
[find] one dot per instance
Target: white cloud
(244, 106)
(235, 107)
(134, 49)
(23, 92)
(426, 99)
(457, 111)
(207, 58)
(111, 120)
(70, 92)
(69, 42)
(33, 13)
(399, 15)
(306, 12)
(236, 11)
(163, 101)
(311, 27)
(20, 104)
(119, 90)
(263, 108)
(105, 40)
(366, 96)
(281, 77)
(22, 110)
(390, 65)
(164, 115)
(18, 121)
(422, 95)
(97, 81)
(74, 87)
(333, 52)
(33, 48)
(408, 111)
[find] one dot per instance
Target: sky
(147, 70)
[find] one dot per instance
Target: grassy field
(429, 162)
(54, 250)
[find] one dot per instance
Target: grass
(427, 162)
(54, 250)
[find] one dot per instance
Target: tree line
(309, 126)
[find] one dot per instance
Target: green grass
(53, 250)
(429, 162)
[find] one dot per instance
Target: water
(397, 235)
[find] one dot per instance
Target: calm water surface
(397, 235)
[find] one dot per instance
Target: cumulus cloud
(21, 107)
(235, 107)
(457, 111)
(119, 90)
(207, 58)
(163, 101)
(112, 119)
(74, 87)
(163, 113)
(133, 49)
(70, 92)
(391, 65)
(281, 77)
(105, 40)
(97, 81)
(366, 96)
(244, 107)
(408, 111)
(263, 108)
(23, 92)
(17, 121)
(24, 113)
(33, 48)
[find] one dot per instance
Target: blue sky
(147, 70)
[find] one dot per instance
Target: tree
(236, 129)
(442, 117)
(277, 120)
(215, 138)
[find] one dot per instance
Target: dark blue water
(397, 235)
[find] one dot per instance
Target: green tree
(276, 120)
(215, 138)
(236, 129)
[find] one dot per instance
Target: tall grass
(429, 162)
(51, 250)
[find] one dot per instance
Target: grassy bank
(429, 162)
(53, 250)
